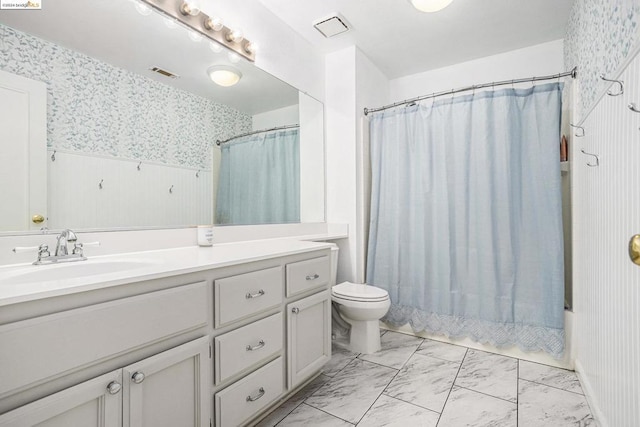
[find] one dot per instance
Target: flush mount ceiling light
(430, 5)
(223, 75)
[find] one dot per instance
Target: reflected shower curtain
(260, 179)
(466, 225)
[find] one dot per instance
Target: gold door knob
(37, 219)
(634, 249)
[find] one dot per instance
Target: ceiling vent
(164, 72)
(332, 26)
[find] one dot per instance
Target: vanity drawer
(247, 294)
(247, 346)
(242, 400)
(47, 346)
(305, 275)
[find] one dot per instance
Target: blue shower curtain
(466, 225)
(260, 179)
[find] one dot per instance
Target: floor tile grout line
(551, 386)
(487, 394)
(411, 403)
(451, 388)
(288, 413)
(328, 413)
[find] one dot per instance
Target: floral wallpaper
(600, 35)
(96, 108)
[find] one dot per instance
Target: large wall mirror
(91, 137)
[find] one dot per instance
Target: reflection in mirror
(119, 145)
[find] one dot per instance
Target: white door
(97, 403)
(309, 333)
(23, 152)
(169, 389)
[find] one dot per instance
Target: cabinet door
(97, 402)
(169, 389)
(309, 336)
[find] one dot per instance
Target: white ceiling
(112, 31)
(402, 41)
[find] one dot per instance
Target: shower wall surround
(96, 108)
(600, 35)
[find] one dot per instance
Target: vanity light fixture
(224, 75)
(430, 5)
(188, 13)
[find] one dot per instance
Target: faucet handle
(78, 247)
(43, 251)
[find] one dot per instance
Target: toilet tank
(334, 263)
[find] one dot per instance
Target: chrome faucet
(63, 239)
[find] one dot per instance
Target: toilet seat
(355, 292)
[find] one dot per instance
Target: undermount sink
(71, 270)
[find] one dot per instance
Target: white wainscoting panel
(129, 197)
(606, 213)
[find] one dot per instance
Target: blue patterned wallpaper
(96, 108)
(600, 35)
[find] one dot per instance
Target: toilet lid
(359, 292)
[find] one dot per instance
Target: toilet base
(365, 336)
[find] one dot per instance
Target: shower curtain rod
(218, 142)
(571, 73)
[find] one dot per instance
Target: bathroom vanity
(180, 337)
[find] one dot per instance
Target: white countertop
(148, 265)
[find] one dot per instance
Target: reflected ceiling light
(430, 5)
(223, 75)
(143, 9)
(171, 23)
(233, 57)
(190, 7)
(215, 46)
(196, 37)
(213, 24)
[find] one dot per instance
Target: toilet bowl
(361, 306)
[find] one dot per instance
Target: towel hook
(620, 84)
(577, 127)
(139, 164)
(594, 155)
(171, 189)
(53, 156)
(198, 174)
(100, 184)
(633, 107)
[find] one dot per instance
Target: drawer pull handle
(137, 377)
(257, 396)
(313, 276)
(114, 387)
(256, 295)
(261, 344)
(295, 310)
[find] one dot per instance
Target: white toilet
(361, 306)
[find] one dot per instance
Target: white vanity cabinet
(168, 389)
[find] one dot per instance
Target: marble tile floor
(425, 383)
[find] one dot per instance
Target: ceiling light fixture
(188, 13)
(223, 75)
(430, 5)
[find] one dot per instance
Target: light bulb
(251, 47)
(143, 9)
(235, 36)
(196, 37)
(234, 57)
(430, 5)
(213, 24)
(190, 7)
(215, 47)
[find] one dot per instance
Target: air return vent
(164, 72)
(332, 26)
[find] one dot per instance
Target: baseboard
(590, 395)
